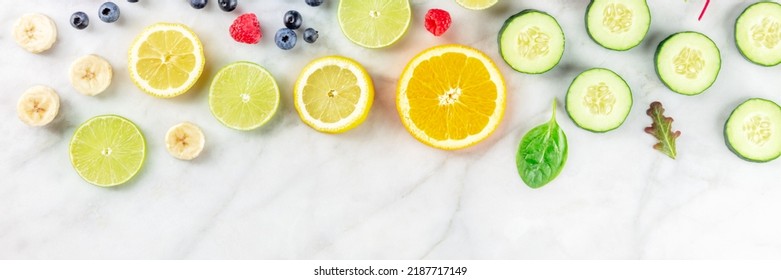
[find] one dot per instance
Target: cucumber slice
(758, 33)
(531, 42)
(598, 100)
(687, 62)
(753, 130)
(618, 24)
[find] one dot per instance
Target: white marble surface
(288, 192)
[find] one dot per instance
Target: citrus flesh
(166, 60)
(243, 96)
(333, 94)
(107, 150)
(476, 4)
(374, 23)
(451, 97)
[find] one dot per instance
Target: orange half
(451, 97)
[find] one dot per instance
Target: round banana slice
(91, 74)
(35, 32)
(38, 106)
(185, 141)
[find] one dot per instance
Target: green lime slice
(374, 23)
(107, 150)
(243, 96)
(476, 4)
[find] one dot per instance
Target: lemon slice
(166, 60)
(451, 97)
(476, 4)
(333, 94)
(243, 96)
(107, 150)
(374, 23)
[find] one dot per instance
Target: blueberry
(227, 5)
(133, 1)
(198, 4)
(79, 20)
(108, 12)
(292, 19)
(285, 38)
(310, 35)
(314, 3)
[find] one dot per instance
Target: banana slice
(35, 32)
(91, 75)
(185, 141)
(38, 106)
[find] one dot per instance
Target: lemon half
(333, 94)
(166, 60)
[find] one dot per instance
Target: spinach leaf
(542, 153)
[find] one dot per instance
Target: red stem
(703, 9)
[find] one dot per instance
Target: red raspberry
(246, 29)
(437, 21)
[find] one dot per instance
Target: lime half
(374, 23)
(476, 4)
(243, 96)
(107, 150)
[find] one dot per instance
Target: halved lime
(243, 96)
(166, 60)
(476, 4)
(107, 150)
(374, 23)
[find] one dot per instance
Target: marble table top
(288, 192)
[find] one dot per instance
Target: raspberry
(246, 29)
(437, 21)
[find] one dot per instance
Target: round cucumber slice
(598, 100)
(531, 42)
(618, 24)
(753, 130)
(687, 62)
(758, 33)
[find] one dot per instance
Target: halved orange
(451, 97)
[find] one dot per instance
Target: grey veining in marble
(286, 191)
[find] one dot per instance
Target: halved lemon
(374, 23)
(107, 150)
(243, 96)
(476, 4)
(451, 97)
(333, 94)
(166, 60)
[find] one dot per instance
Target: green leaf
(661, 128)
(542, 153)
